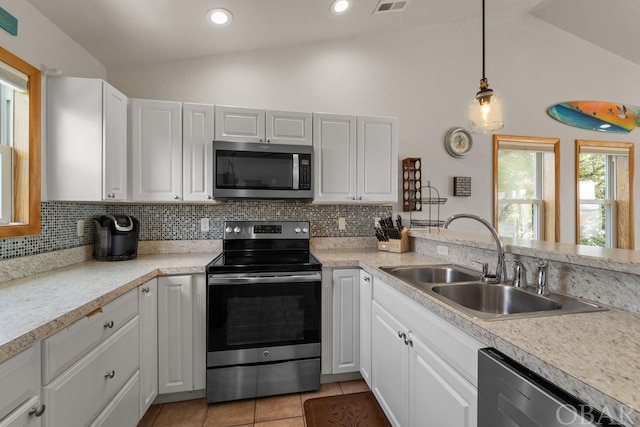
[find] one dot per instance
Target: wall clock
(458, 142)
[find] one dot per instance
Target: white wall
(426, 77)
(40, 42)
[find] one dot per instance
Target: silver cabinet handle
(111, 196)
(37, 411)
(367, 279)
(176, 197)
(353, 198)
(110, 374)
(108, 324)
(145, 290)
(260, 139)
(360, 198)
(209, 197)
(401, 334)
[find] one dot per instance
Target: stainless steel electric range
(263, 312)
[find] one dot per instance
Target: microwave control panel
(305, 172)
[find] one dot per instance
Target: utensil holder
(400, 245)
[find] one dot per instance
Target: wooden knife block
(400, 245)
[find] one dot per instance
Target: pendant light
(486, 109)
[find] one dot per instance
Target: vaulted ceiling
(128, 32)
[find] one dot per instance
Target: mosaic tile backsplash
(182, 221)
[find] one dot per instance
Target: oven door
(249, 170)
(254, 318)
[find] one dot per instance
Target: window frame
(613, 240)
(27, 162)
(531, 141)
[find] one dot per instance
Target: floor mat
(345, 410)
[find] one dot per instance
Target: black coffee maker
(116, 238)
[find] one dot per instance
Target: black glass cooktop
(237, 262)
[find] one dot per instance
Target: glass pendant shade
(485, 110)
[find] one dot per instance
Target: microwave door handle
(296, 172)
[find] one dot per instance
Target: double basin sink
(461, 288)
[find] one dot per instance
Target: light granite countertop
(592, 355)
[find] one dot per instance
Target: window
(604, 194)
(525, 179)
(19, 146)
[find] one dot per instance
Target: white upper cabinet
(356, 159)
(377, 160)
(289, 127)
(156, 150)
(334, 140)
(197, 152)
(238, 124)
(86, 140)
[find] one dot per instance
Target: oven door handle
(215, 280)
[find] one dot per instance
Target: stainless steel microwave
(262, 171)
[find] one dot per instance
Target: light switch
(342, 223)
(204, 224)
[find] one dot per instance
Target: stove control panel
(234, 230)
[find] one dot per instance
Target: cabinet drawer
(75, 397)
(19, 379)
(122, 411)
(64, 348)
(455, 346)
(23, 416)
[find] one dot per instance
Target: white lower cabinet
(80, 393)
(148, 313)
(366, 294)
(423, 368)
(181, 333)
(123, 408)
(20, 389)
(346, 321)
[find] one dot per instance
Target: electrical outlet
(376, 222)
(443, 250)
(204, 224)
(80, 227)
(342, 223)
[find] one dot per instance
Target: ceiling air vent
(390, 6)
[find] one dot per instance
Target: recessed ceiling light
(338, 7)
(219, 17)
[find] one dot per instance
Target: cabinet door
(122, 410)
(390, 365)
(148, 312)
(334, 146)
(114, 159)
(25, 415)
(74, 138)
(288, 127)
(437, 392)
(377, 159)
(238, 124)
(197, 152)
(20, 383)
(346, 321)
(156, 150)
(366, 295)
(175, 334)
(199, 331)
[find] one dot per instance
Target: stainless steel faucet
(500, 268)
(519, 278)
(541, 286)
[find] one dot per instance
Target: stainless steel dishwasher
(510, 395)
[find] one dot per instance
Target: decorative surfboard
(597, 115)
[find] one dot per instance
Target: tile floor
(276, 411)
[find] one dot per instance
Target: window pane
(516, 174)
(593, 173)
(593, 224)
(518, 220)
